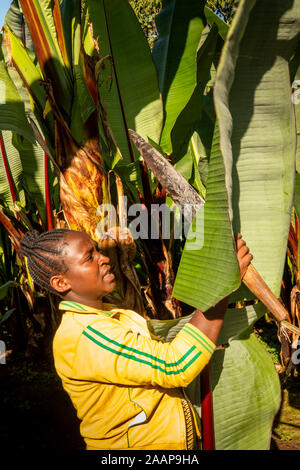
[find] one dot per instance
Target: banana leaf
(34, 174)
(4, 288)
(7, 315)
(27, 78)
(263, 134)
(127, 79)
(46, 29)
(190, 117)
(210, 254)
(13, 175)
(295, 78)
(245, 384)
(16, 22)
(257, 140)
(27, 168)
(191, 135)
(12, 111)
(85, 90)
(297, 204)
(31, 158)
(174, 53)
(213, 18)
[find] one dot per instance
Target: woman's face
(88, 277)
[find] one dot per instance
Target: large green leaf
(30, 74)
(257, 140)
(174, 54)
(71, 10)
(16, 22)
(215, 257)
(246, 389)
(49, 42)
(296, 102)
(246, 395)
(297, 205)
(83, 103)
(193, 120)
(213, 18)
(15, 170)
(27, 168)
(12, 111)
(190, 117)
(297, 195)
(29, 158)
(297, 116)
(33, 164)
(253, 96)
(128, 83)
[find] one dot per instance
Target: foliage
(222, 8)
(244, 382)
(244, 106)
(146, 12)
(217, 123)
(266, 333)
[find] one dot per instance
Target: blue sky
(4, 6)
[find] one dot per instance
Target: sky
(4, 6)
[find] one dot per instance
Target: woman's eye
(90, 257)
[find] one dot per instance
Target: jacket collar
(70, 306)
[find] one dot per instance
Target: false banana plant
(59, 74)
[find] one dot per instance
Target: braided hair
(44, 252)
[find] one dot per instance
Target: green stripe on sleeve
(154, 366)
(199, 338)
(142, 353)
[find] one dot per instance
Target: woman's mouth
(108, 276)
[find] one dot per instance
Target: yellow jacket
(124, 384)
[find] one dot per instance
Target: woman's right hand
(243, 255)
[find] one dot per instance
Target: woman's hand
(243, 255)
(210, 322)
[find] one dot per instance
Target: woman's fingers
(243, 254)
(243, 251)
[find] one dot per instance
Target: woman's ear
(59, 283)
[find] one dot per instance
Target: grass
(286, 428)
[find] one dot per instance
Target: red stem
(15, 235)
(208, 438)
(7, 170)
(293, 244)
(47, 194)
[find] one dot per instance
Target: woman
(127, 387)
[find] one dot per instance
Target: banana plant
(248, 160)
(71, 88)
(74, 124)
(203, 129)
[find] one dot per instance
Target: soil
(36, 413)
(286, 429)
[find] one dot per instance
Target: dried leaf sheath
(83, 189)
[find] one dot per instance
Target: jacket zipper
(189, 424)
